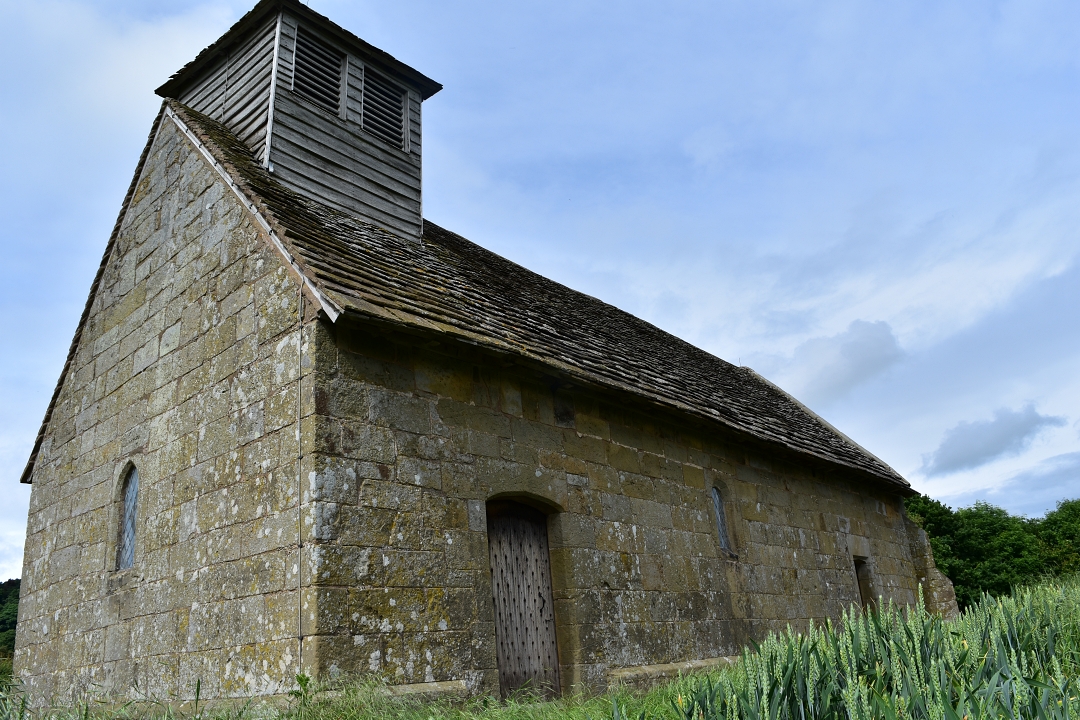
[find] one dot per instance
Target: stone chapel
(302, 429)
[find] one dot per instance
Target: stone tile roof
(450, 285)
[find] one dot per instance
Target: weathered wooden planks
(329, 156)
(235, 90)
(319, 147)
(526, 646)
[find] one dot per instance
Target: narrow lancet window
(721, 522)
(125, 552)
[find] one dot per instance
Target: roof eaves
(427, 86)
(369, 311)
(171, 87)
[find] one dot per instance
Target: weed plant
(1013, 657)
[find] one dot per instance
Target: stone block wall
(938, 593)
(187, 368)
(411, 438)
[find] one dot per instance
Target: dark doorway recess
(526, 648)
(866, 586)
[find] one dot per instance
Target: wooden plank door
(527, 653)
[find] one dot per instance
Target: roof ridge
(474, 247)
(263, 9)
(811, 413)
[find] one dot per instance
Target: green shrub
(1059, 532)
(9, 615)
(984, 549)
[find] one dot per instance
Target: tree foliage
(9, 613)
(985, 549)
(1060, 533)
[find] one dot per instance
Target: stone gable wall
(408, 442)
(187, 368)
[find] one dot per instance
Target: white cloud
(825, 368)
(12, 539)
(1034, 491)
(972, 444)
(708, 146)
(99, 65)
(13, 456)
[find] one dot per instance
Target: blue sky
(875, 205)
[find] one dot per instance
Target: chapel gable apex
(119, 291)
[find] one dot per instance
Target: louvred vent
(317, 75)
(384, 108)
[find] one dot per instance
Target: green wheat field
(1012, 657)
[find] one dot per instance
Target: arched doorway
(526, 647)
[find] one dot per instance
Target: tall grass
(1014, 657)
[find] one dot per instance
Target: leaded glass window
(125, 553)
(721, 521)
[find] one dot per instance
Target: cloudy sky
(876, 205)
